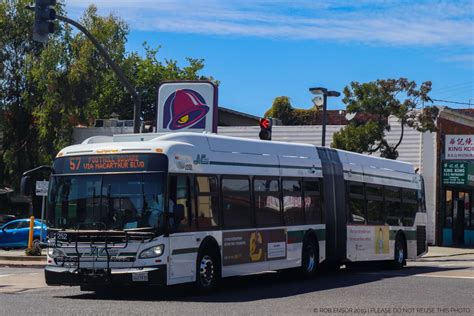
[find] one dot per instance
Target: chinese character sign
(455, 173)
(459, 147)
(189, 106)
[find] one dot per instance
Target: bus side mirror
(178, 213)
(25, 185)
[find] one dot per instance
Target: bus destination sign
(108, 163)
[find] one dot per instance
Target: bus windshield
(107, 201)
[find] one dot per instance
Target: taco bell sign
(187, 106)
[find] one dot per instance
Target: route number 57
(74, 164)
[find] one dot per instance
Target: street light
(321, 97)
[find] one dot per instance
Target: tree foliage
(46, 90)
(380, 99)
(283, 110)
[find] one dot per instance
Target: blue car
(15, 234)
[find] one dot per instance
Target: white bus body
(307, 195)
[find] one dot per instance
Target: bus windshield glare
(116, 201)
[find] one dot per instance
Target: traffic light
(44, 17)
(265, 128)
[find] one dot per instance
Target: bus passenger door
(183, 248)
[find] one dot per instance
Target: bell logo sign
(189, 106)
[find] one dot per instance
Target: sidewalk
(18, 258)
(434, 252)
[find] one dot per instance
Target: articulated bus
(187, 207)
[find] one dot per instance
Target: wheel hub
(311, 259)
(401, 255)
(206, 270)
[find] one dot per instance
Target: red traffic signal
(265, 123)
(265, 128)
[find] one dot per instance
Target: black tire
(310, 257)
(208, 269)
(400, 253)
(36, 244)
(90, 288)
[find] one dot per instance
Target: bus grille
(420, 240)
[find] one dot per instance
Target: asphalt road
(435, 286)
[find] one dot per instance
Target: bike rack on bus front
(64, 236)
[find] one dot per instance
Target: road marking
(419, 275)
(444, 276)
(20, 274)
(452, 265)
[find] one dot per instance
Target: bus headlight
(152, 252)
(54, 253)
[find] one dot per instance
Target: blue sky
(261, 49)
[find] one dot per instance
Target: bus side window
(409, 206)
(375, 210)
(267, 202)
(393, 205)
(179, 194)
(236, 202)
(312, 202)
(357, 203)
(207, 202)
(293, 212)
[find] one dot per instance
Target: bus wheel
(400, 253)
(207, 270)
(310, 257)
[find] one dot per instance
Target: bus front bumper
(155, 275)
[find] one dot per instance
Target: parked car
(5, 218)
(15, 234)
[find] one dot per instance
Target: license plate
(140, 277)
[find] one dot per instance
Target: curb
(22, 265)
(453, 255)
(23, 258)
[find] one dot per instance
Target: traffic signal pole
(47, 14)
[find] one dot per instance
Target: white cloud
(467, 58)
(386, 22)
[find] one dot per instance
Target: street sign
(42, 188)
(459, 147)
(458, 173)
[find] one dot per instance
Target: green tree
(378, 100)
(283, 110)
(19, 54)
(46, 90)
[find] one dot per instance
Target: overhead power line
(451, 95)
(453, 87)
(454, 102)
